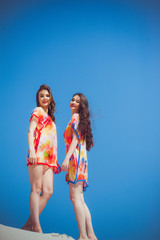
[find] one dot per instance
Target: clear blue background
(110, 51)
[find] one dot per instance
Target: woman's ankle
(82, 237)
(92, 237)
(37, 228)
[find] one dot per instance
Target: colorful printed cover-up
(45, 140)
(78, 164)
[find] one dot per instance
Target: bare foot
(92, 238)
(27, 227)
(37, 229)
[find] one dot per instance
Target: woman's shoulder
(37, 109)
(75, 115)
(75, 118)
(37, 112)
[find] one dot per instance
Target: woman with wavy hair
(78, 138)
(42, 155)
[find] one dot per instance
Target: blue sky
(109, 51)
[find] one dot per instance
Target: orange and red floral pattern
(78, 164)
(45, 140)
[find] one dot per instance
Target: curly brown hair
(52, 105)
(85, 125)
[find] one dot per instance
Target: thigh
(76, 189)
(35, 175)
(47, 180)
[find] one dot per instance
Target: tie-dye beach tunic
(45, 140)
(78, 164)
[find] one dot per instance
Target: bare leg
(28, 224)
(75, 196)
(35, 176)
(88, 221)
(47, 190)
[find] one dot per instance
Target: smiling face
(44, 99)
(75, 103)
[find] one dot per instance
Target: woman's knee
(36, 189)
(73, 197)
(47, 193)
(75, 192)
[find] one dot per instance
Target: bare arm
(70, 152)
(32, 127)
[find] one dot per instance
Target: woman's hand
(70, 152)
(65, 164)
(32, 157)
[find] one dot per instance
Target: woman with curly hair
(42, 155)
(78, 138)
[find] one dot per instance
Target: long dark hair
(85, 125)
(52, 105)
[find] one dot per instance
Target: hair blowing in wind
(85, 125)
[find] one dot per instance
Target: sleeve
(74, 124)
(37, 112)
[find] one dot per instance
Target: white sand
(10, 233)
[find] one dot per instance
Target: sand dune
(10, 233)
